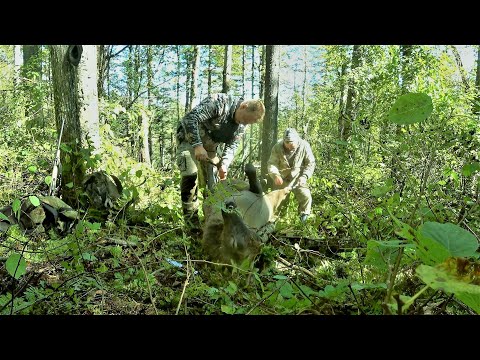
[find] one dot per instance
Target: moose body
(234, 214)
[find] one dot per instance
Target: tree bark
(88, 97)
(32, 73)
(227, 68)
(270, 122)
(209, 71)
(195, 71)
(461, 69)
(476, 104)
(67, 112)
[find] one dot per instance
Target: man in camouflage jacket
(292, 159)
(218, 119)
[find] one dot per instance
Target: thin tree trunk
(351, 94)
(304, 91)
(270, 123)
(261, 70)
(250, 153)
(461, 69)
(195, 71)
(188, 65)
(32, 73)
(209, 71)
(476, 104)
(227, 68)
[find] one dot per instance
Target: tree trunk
(461, 69)
(304, 92)
(476, 104)
(188, 66)
(227, 68)
(88, 97)
(341, 116)
(270, 125)
(195, 71)
(64, 63)
(250, 153)
(261, 70)
(18, 63)
(178, 82)
(103, 61)
(209, 71)
(144, 126)
(32, 73)
(349, 115)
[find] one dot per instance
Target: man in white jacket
(292, 159)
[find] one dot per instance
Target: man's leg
(188, 184)
(304, 198)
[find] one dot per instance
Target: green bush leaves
(411, 108)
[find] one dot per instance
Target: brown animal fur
(233, 214)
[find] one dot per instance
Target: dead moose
(235, 213)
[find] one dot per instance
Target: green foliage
(411, 108)
(16, 265)
(456, 240)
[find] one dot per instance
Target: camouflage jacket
(211, 123)
(302, 162)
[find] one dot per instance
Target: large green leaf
(411, 108)
(382, 253)
(458, 241)
(16, 265)
(472, 300)
(439, 278)
(430, 251)
(34, 200)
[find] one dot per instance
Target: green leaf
(458, 241)
(138, 173)
(89, 257)
(382, 253)
(410, 108)
(4, 217)
(228, 309)
(32, 169)
(469, 169)
(430, 251)
(69, 185)
(439, 278)
(286, 290)
(48, 180)
(280, 277)
(381, 190)
(16, 207)
(231, 288)
(360, 286)
(93, 226)
(34, 200)
(16, 265)
(472, 300)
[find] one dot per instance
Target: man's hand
(200, 153)
(222, 172)
(278, 180)
(302, 180)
